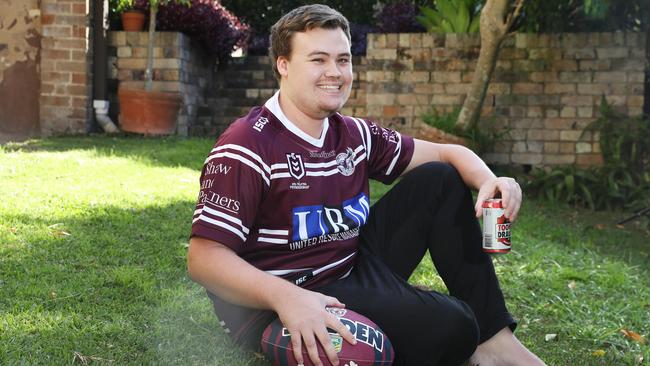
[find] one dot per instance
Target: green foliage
(481, 136)
(451, 16)
(564, 16)
(120, 6)
(623, 181)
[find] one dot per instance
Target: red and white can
(496, 227)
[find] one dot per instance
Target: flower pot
(149, 113)
(132, 21)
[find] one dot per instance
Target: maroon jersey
(290, 204)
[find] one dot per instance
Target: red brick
(78, 31)
(76, 90)
(57, 31)
(75, 44)
(57, 101)
(79, 78)
(48, 19)
(71, 66)
(78, 113)
(55, 77)
(589, 159)
(79, 8)
(390, 111)
(79, 101)
(54, 54)
(527, 88)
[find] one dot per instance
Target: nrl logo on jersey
(296, 167)
(345, 162)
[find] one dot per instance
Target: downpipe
(102, 118)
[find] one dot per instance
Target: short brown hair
(302, 19)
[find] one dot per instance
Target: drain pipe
(100, 102)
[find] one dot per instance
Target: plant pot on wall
(132, 20)
(149, 113)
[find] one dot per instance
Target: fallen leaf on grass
(60, 233)
(633, 336)
(572, 285)
(600, 226)
(53, 295)
(13, 230)
(620, 226)
(550, 337)
(598, 353)
(78, 357)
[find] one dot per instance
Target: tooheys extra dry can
(496, 227)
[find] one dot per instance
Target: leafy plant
(451, 16)
(623, 181)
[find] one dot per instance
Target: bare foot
(504, 349)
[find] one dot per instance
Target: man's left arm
(473, 170)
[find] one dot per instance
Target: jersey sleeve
(388, 151)
(233, 181)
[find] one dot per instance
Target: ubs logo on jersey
(315, 221)
(345, 162)
(296, 167)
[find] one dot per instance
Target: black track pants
(432, 210)
(429, 209)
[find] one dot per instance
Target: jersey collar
(273, 105)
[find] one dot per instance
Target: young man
(283, 225)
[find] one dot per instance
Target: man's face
(318, 75)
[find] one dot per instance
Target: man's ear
(282, 63)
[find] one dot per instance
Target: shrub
(359, 35)
(623, 181)
(399, 17)
(207, 21)
(216, 28)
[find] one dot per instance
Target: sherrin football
(372, 348)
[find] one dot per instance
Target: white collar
(273, 105)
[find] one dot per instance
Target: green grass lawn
(94, 233)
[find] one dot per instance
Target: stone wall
(179, 66)
(546, 88)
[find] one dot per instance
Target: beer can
(496, 227)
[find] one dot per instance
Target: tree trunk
(494, 27)
(148, 73)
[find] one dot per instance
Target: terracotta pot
(149, 113)
(132, 21)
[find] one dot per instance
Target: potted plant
(145, 110)
(131, 16)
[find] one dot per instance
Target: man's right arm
(221, 271)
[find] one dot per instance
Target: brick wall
(65, 103)
(546, 88)
(179, 66)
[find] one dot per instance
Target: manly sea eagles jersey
(292, 205)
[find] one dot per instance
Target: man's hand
(510, 194)
(305, 317)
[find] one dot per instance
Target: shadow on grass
(109, 283)
(157, 151)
